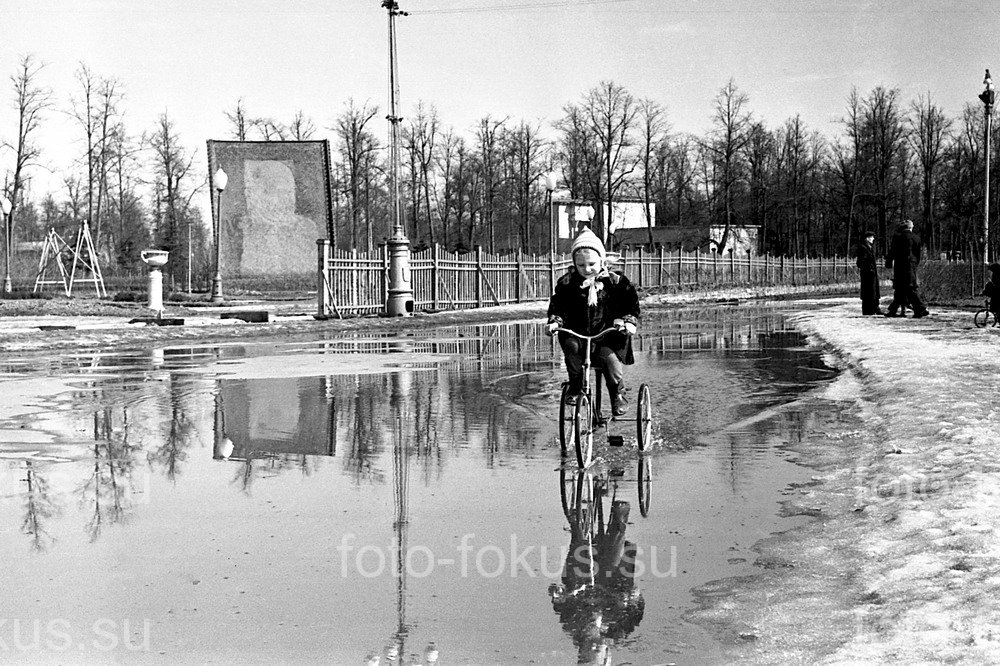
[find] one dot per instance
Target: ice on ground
(931, 386)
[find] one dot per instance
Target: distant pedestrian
(992, 289)
(868, 270)
(903, 259)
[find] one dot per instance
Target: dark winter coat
(868, 269)
(903, 258)
(617, 299)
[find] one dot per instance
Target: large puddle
(398, 500)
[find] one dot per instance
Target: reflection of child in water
(597, 601)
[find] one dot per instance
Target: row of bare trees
(133, 190)
(807, 193)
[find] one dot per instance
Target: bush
(950, 282)
(23, 294)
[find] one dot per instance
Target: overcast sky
(519, 58)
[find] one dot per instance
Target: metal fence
(350, 282)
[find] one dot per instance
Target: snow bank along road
(902, 564)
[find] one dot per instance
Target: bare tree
(419, 141)
(270, 129)
(490, 156)
(527, 151)
(929, 133)
(761, 157)
(173, 173)
(302, 127)
(357, 143)
(611, 112)
(653, 130)
(679, 172)
(446, 200)
(239, 120)
(31, 100)
(883, 136)
(729, 136)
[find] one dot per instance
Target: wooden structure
(350, 282)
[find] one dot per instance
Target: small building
(686, 238)
(570, 215)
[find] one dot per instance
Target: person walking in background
(868, 270)
(992, 289)
(903, 259)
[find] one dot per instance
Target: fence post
(639, 279)
(479, 276)
(436, 277)
(385, 272)
(354, 277)
(767, 273)
(697, 266)
(517, 277)
(680, 282)
(749, 268)
(781, 271)
(732, 266)
(322, 293)
(715, 267)
(659, 272)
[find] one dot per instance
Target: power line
(550, 4)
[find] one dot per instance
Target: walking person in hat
(868, 270)
(589, 299)
(903, 259)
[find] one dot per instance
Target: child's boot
(619, 402)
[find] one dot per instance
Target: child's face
(587, 262)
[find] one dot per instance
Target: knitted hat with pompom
(588, 240)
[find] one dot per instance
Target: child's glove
(626, 327)
(551, 327)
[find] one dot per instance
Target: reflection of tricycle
(597, 599)
(580, 419)
(579, 489)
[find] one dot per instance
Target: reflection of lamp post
(5, 207)
(219, 181)
(551, 180)
(987, 96)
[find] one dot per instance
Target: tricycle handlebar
(585, 337)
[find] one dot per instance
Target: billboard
(275, 206)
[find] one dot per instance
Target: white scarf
(594, 285)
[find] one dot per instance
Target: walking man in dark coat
(904, 256)
(868, 270)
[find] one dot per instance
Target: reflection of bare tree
(109, 487)
(181, 433)
(39, 506)
(365, 432)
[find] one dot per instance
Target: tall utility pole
(399, 297)
(987, 97)
(394, 118)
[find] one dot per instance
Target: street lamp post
(988, 96)
(551, 180)
(219, 181)
(5, 207)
